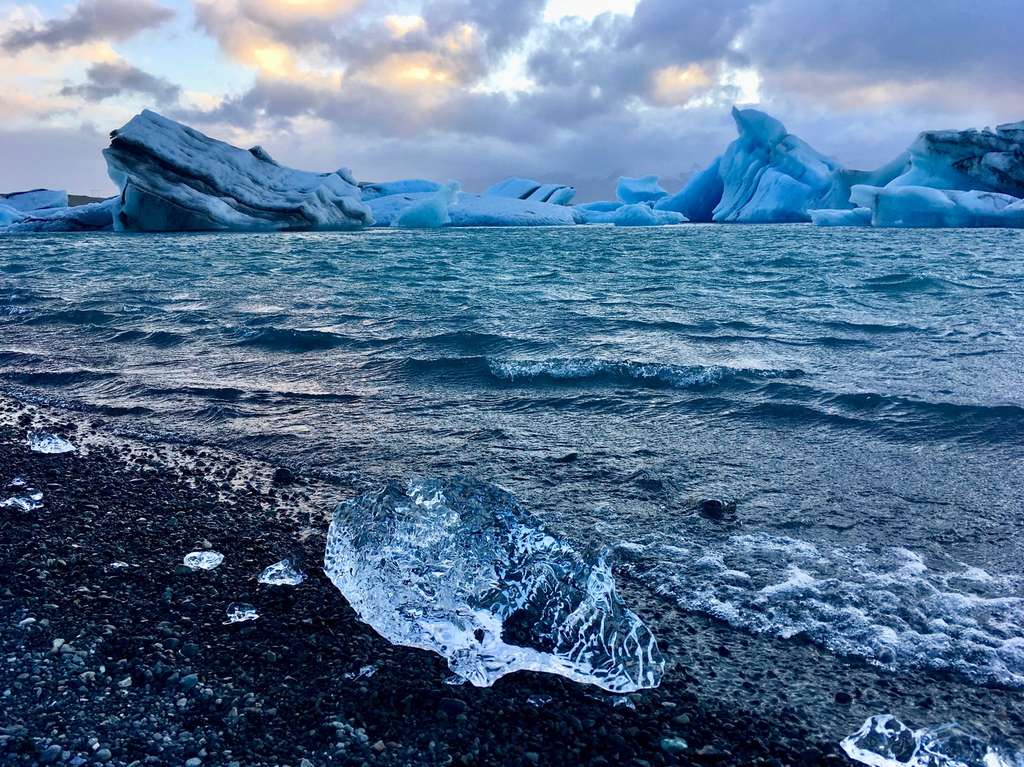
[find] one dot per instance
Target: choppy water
(857, 392)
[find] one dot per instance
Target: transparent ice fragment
(459, 567)
(44, 442)
(884, 741)
(16, 482)
(24, 503)
(282, 573)
(364, 672)
(203, 560)
(240, 612)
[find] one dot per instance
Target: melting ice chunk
(28, 502)
(240, 612)
(282, 573)
(459, 567)
(44, 442)
(203, 560)
(884, 741)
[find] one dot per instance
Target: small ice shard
(118, 565)
(28, 502)
(364, 672)
(203, 560)
(16, 482)
(539, 701)
(459, 567)
(282, 573)
(240, 612)
(44, 442)
(884, 741)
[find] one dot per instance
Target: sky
(567, 91)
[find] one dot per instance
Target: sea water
(857, 393)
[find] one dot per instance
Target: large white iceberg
(93, 217)
(479, 210)
(35, 199)
(173, 177)
(528, 189)
(459, 567)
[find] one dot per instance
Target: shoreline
(135, 665)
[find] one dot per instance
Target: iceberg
(884, 741)
(636, 214)
(35, 200)
(172, 178)
(431, 212)
(699, 196)
(643, 189)
(459, 567)
(93, 217)
(918, 206)
(9, 215)
(480, 210)
(528, 189)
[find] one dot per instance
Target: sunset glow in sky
(564, 90)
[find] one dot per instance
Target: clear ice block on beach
(29, 501)
(283, 573)
(240, 612)
(44, 442)
(203, 560)
(884, 741)
(459, 567)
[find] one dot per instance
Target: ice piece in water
(884, 741)
(430, 212)
(240, 612)
(459, 567)
(174, 178)
(637, 214)
(203, 560)
(44, 442)
(94, 217)
(643, 189)
(480, 210)
(282, 573)
(840, 217)
(918, 206)
(35, 199)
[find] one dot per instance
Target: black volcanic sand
(136, 666)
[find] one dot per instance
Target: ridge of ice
(459, 567)
(528, 189)
(884, 741)
(35, 200)
(642, 189)
(430, 212)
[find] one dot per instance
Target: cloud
(117, 78)
(89, 21)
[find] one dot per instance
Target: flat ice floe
(459, 567)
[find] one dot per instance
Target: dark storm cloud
(90, 21)
(109, 79)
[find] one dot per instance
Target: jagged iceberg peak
(173, 177)
(459, 567)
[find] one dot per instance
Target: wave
(159, 338)
(888, 608)
(73, 317)
(277, 339)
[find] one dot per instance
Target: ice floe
(459, 567)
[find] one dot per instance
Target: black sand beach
(134, 665)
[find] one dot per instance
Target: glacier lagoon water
(856, 392)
